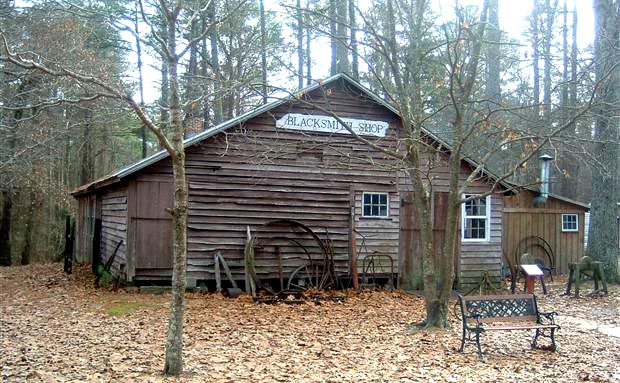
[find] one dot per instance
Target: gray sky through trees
(513, 19)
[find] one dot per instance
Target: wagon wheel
(306, 277)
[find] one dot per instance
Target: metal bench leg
(462, 341)
(535, 340)
(553, 346)
(478, 344)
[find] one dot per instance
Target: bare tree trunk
(410, 277)
(204, 71)
(140, 77)
(5, 189)
(439, 274)
(190, 124)
(493, 88)
(308, 52)
(263, 54)
(603, 236)
(28, 228)
(87, 163)
(5, 229)
(567, 161)
(565, 60)
(300, 46)
(174, 340)
(536, 57)
(164, 115)
(342, 65)
(332, 38)
(218, 108)
(550, 11)
(353, 38)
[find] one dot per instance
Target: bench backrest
(500, 307)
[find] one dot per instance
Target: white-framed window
(375, 205)
(570, 222)
(476, 219)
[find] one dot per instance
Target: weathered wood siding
(84, 227)
(255, 173)
(149, 231)
(378, 236)
(475, 258)
(522, 219)
(114, 229)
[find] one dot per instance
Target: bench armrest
(547, 317)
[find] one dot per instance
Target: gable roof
(135, 167)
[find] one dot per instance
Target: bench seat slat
(533, 327)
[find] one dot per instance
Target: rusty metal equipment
(316, 271)
(374, 267)
(531, 250)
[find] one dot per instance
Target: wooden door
(153, 225)
(410, 249)
(440, 216)
(410, 245)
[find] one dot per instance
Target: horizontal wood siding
(378, 236)
(219, 218)
(114, 229)
(479, 257)
(475, 258)
(255, 173)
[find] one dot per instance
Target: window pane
(375, 204)
(383, 199)
(475, 228)
(366, 210)
(468, 208)
(366, 199)
(569, 222)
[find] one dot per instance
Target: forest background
(55, 136)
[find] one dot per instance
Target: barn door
(410, 244)
(410, 249)
(153, 225)
(440, 216)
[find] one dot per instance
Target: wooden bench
(484, 313)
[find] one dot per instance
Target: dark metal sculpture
(527, 246)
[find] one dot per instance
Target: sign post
(531, 273)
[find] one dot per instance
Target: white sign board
(326, 124)
(532, 270)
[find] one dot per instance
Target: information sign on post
(531, 273)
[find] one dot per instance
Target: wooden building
(285, 161)
(552, 227)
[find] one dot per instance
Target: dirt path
(55, 328)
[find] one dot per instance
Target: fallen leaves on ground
(59, 328)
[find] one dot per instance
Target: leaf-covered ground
(58, 328)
